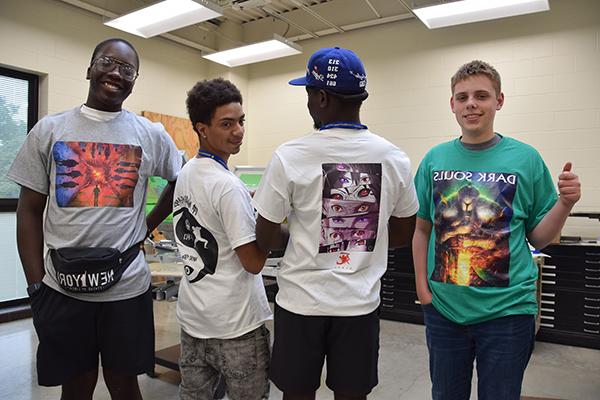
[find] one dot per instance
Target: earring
(203, 136)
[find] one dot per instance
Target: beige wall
(55, 40)
(549, 62)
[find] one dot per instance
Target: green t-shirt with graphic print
(482, 204)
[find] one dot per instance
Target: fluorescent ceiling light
(275, 48)
(466, 11)
(166, 16)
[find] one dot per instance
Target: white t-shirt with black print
(212, 216)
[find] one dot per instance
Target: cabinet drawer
(401, 306)
(569, 300)
(588, 282)
(402, 259)
(589, 319)
(401, 268)
(385, 306)
(399, 296)
(572, 309)
(550, 270)
(398, 282)
(401, 252)
(570, 327)
(583, 252)
(574, 262)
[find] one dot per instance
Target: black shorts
(351, 345)
(72, 333)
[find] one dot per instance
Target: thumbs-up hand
(569, 186)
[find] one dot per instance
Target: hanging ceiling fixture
(467, 11)
(275, 48)
(166, 16)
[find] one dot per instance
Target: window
(18, 114)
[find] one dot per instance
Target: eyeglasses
(107, 64)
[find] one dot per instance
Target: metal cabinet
(398, 292)
(571, 295)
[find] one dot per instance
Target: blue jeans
(502, 348)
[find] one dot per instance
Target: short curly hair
(476, 67)
(207, 95)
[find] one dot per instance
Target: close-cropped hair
(346, 99)
(476, 67)
(351, 99)
(207, 95)
(106, 42)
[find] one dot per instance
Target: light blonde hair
(476, 67)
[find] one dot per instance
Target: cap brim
(299, 81)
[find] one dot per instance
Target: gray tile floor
(555, 371)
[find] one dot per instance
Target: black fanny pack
(91, 269)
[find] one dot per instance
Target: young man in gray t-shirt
(80, 222)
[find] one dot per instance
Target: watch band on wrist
(34, 287)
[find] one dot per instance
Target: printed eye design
(362, 208)
(337, 208)
(336, 236)
(361, 222)
(344, 181)
(364, 192)
(365, 179)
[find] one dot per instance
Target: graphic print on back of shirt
(473, 211)
(350, 208)
(191, 234)
(93, 174)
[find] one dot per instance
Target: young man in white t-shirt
(343, 190)
(222, 304)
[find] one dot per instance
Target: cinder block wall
(549, 63)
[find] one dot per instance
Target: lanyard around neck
(208, 154)
(343, 125)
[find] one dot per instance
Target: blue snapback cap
(336, 70)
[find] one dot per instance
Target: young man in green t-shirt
(482, 196)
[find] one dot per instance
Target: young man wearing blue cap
(482, 195)
(343, 190)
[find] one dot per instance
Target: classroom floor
(555, 371)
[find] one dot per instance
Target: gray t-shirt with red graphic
(95, 175)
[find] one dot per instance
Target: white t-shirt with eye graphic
(337, 188)
(212, 216)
